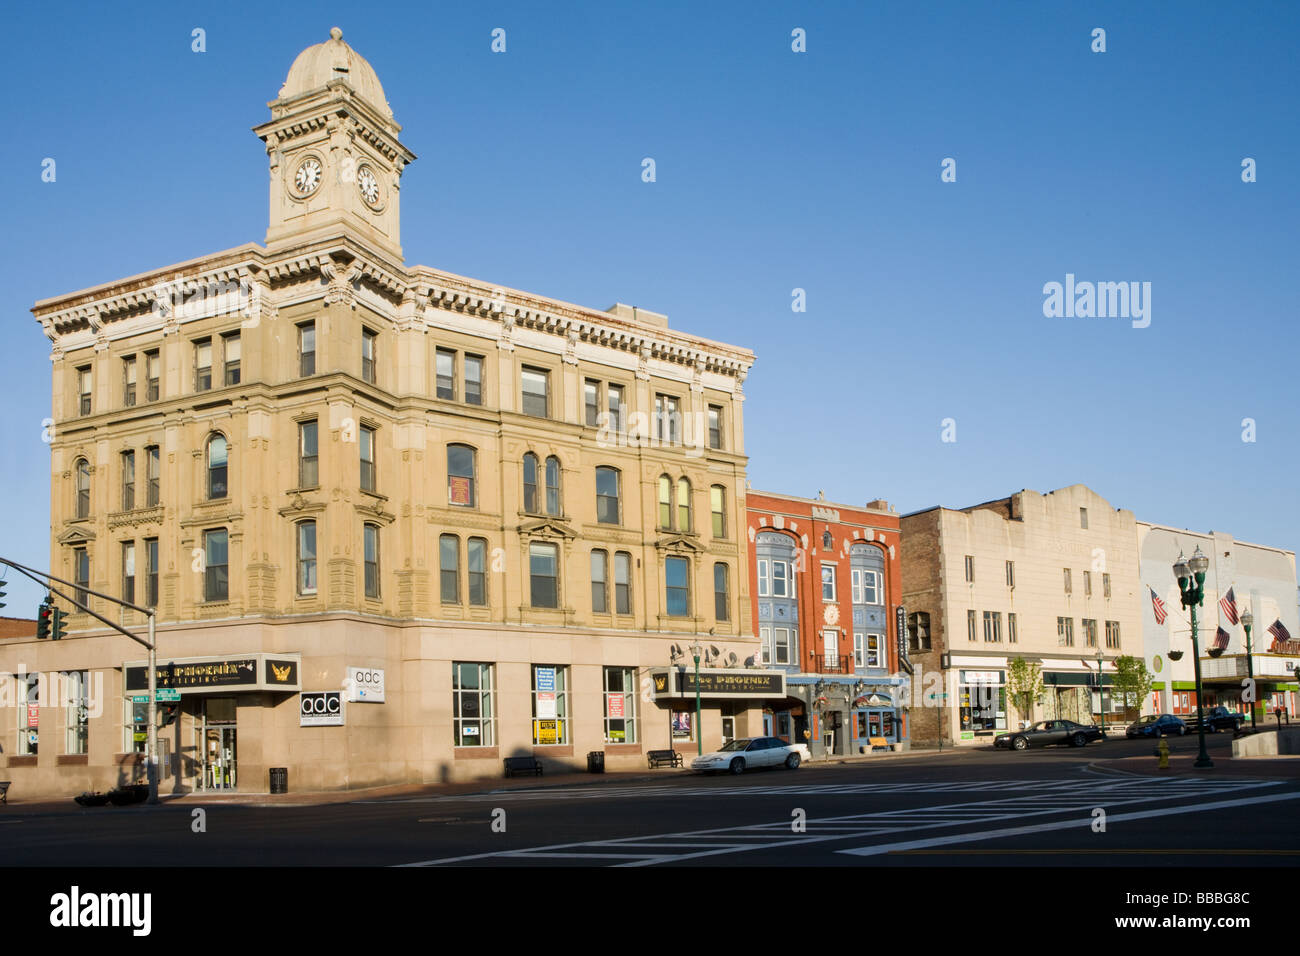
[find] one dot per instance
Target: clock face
(368, 184)
(307, 179)
(831, 614)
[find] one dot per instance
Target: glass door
(217, 743)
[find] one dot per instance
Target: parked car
(1048, 732)
(1164, 725)
(748, 752)
(1219, 718)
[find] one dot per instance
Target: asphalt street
(1041, 807)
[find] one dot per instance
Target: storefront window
(136, 731)
(620, 705)
(29, 702)
(982, 700)
(683, 722)
(550, 704)
(76, 695)
(473, 715)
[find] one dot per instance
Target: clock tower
(336, 163)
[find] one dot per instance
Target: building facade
(1240, 576)
(826, 583)
(397, 523)
(1052, 578)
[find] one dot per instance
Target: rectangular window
(28, 709)
(449, 568)
(781, 644)
(718, 505)
(1069, 587)
(677, 575)
(970, 567)
(1089, 632)
(306, 557)
(368, 342)
(203, 365)
(866, 586)
(367, 446)
(544, 574)
(607, 493)
(1011, 574)
(370, 544)
(308, 460)
(780, 578)
(721, 593)
(128, 480)
(1083, 517)
(550, 705)
(983, 701)
(715, 426)
(1011, 628)
(1087, 584)
(216, 573)
(970, 625)
(765, 644)
(128, 571)
(764, 579)
(151, 572)
(591, 401)
(446, 371)
(230, 354)
(473, 708)
(874, 644)
(81, 574)
(992, 627)
(614, 401)
(828, 582)
(76, 695)
(83, 389)
(1105, 585)
(536, 392)
(668, 418)
(128, 381)
(153, 379)
(152, 476)
(859, 649)
(1065, 631)
(620, 705)
(473, 379)
(622, 582)
(1112, 635)
(477, 554)
(599, 582)
(306, 349)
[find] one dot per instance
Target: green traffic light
(56, 623)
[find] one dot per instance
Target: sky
(775, 170)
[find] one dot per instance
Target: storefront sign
(900, 622)
(201, 675)
(546, 678)
(717, 683)
(365, 685)
(320, 709)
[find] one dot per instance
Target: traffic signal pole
(151, 643)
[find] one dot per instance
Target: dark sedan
(1165, 725)
(1049, 732)
(1219, 718)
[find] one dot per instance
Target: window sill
(475, 753)
(73, 760)
(22, 760)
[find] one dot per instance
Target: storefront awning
(716, 683)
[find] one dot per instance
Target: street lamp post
(1247, 619)
(696, 651)
(1101, 700)
(1191, 587)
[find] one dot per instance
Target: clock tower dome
(336, 163)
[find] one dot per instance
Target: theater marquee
(715, 683)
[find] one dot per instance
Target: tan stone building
(1052, 578)
(398, 523)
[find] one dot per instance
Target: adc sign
(365, 685)
(320, 709)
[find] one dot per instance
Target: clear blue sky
(776, 170)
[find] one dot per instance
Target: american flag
(1279, 631)
(1221, 639)
(1228, 605)
(1157, 605)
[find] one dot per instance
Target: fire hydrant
(1162, 751)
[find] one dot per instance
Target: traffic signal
(56, 623)
(167, 714)
(43, 621)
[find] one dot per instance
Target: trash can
(596, 761)
(279, 779)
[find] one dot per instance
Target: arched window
(460, 476)
(665, 502)
(217, 474)
(607, 494)
(828, 543)
(683, 505)
(370, 557)
(718, 504)
(553, 486)
(83, 488)
(530, 483)
(306, 557)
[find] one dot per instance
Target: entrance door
(219, 758)
(831, 649)
(728, 729)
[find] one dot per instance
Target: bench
(4, 791)
(516, 765)
(656, 758)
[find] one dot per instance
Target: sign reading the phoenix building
(674, 682)
(201, 674)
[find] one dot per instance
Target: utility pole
(151, 643)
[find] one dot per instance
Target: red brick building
(826, 581)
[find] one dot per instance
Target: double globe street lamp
(1247, 619)
(1191, 587)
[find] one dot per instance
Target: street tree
(1132, 682)
(1024, 684)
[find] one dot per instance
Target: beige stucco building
(320, 463)
(1049, 577)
